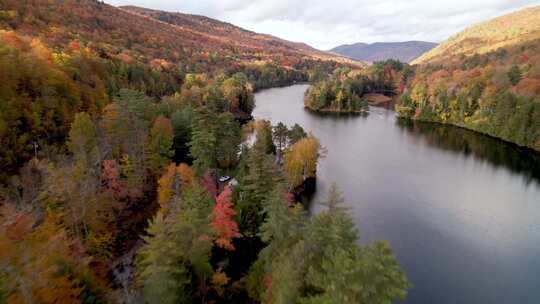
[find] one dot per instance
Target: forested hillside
(236, 38)
(491, 85)
(504, 31)
(127, 177)
(62, 57)
(133, 34)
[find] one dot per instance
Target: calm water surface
(461, 210)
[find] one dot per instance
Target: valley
(151, 155)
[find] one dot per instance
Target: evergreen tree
(215, 100)
(296, 133)
(279, 135)
(275, 277)
(204, 142)
(215, 141)
(281, 221)
(318, 260)
(254, 187)
(164, 278)
(265, 137)
(366, 275)
(229, 139)
(182, 121)
(193, 233)
(160, 143)
(514, 75)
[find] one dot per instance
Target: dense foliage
(60, 58)
(78, 214)
(42, 90)
(349, 91)
(497, 93)
(340, 92)
(115, 131)
(316, 260)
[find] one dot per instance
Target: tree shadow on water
(519, 160)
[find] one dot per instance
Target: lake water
(461, 210)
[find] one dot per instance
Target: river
(461, 210)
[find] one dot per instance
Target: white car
(224, 178)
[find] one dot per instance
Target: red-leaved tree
(223, 221)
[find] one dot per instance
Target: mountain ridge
(378, 51)
(212, 22)
(502, 31)
(206, 25)
(136, 34)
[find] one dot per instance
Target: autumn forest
(133, 170)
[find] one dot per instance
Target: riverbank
(459, 208)
(335, 111)
(471, 126)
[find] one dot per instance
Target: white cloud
(325, 24)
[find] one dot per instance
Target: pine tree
(296, 133)
(193, 233)
(279, 135)
(335, 199)
(182, 121)
(339, 261)
(273, 278)
(254, 187)
(514, 75)
(160, 143)
(319, 261)
(204, 147)
(281, 222)
(229, 139)
(367, 275)
(264, 137)
(164, 278)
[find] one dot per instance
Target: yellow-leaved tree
(301, 160)
(170, 184)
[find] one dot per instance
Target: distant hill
(486, 78)
(144, 35)
(504, 31)
(229, 34)
(402, 51)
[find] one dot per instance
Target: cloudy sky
(328, 23)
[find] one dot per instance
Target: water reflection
(522, 161)
(334, 116)
(460, 209)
